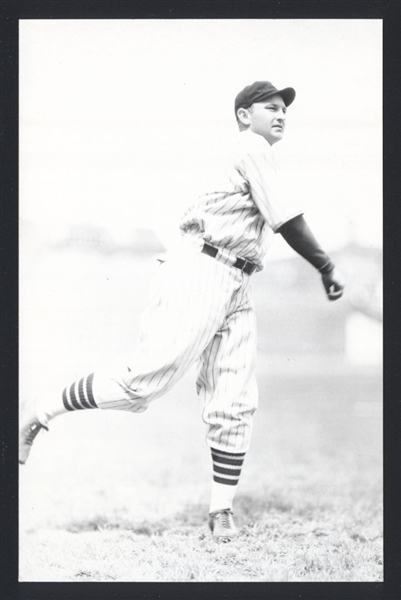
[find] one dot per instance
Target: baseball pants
(201, 311)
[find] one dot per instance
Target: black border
(11, 11)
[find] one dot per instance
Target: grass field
(109, 496)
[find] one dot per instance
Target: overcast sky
(121, 119)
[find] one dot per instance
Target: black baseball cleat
(27, 434)
(222, 525)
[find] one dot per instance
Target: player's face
(268, 118)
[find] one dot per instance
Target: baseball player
(201, 307)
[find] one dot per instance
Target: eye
(274, 108)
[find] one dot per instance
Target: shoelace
(225, 519)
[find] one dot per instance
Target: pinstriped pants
(200, 311)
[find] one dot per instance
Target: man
(202, 311)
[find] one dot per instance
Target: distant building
(141, 242)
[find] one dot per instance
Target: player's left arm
(299, 236)
(257, 166)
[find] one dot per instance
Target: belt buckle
(246, 262)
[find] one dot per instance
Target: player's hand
(333, 284)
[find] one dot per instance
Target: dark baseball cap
(260, 91)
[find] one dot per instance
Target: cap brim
(288, 95)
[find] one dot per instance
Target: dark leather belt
(241, 264)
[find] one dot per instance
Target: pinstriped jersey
(243, 203)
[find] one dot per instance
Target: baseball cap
(260, 91)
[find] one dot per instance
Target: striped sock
(226, 473)
(79, 395)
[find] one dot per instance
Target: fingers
(334, 293)
(333, 285)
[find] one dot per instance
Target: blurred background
(121, 122)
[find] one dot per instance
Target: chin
(274, 139)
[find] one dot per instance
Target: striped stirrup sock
(227, 466)
(79, 395)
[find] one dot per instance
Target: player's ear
(243, 115)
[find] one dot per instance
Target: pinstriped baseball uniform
(201, 307)
(246, 202)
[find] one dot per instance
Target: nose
(281, 115)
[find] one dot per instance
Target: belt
(241, 264)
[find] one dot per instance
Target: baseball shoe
(222, 525)
(27, 434)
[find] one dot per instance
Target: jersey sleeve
(256, 165)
